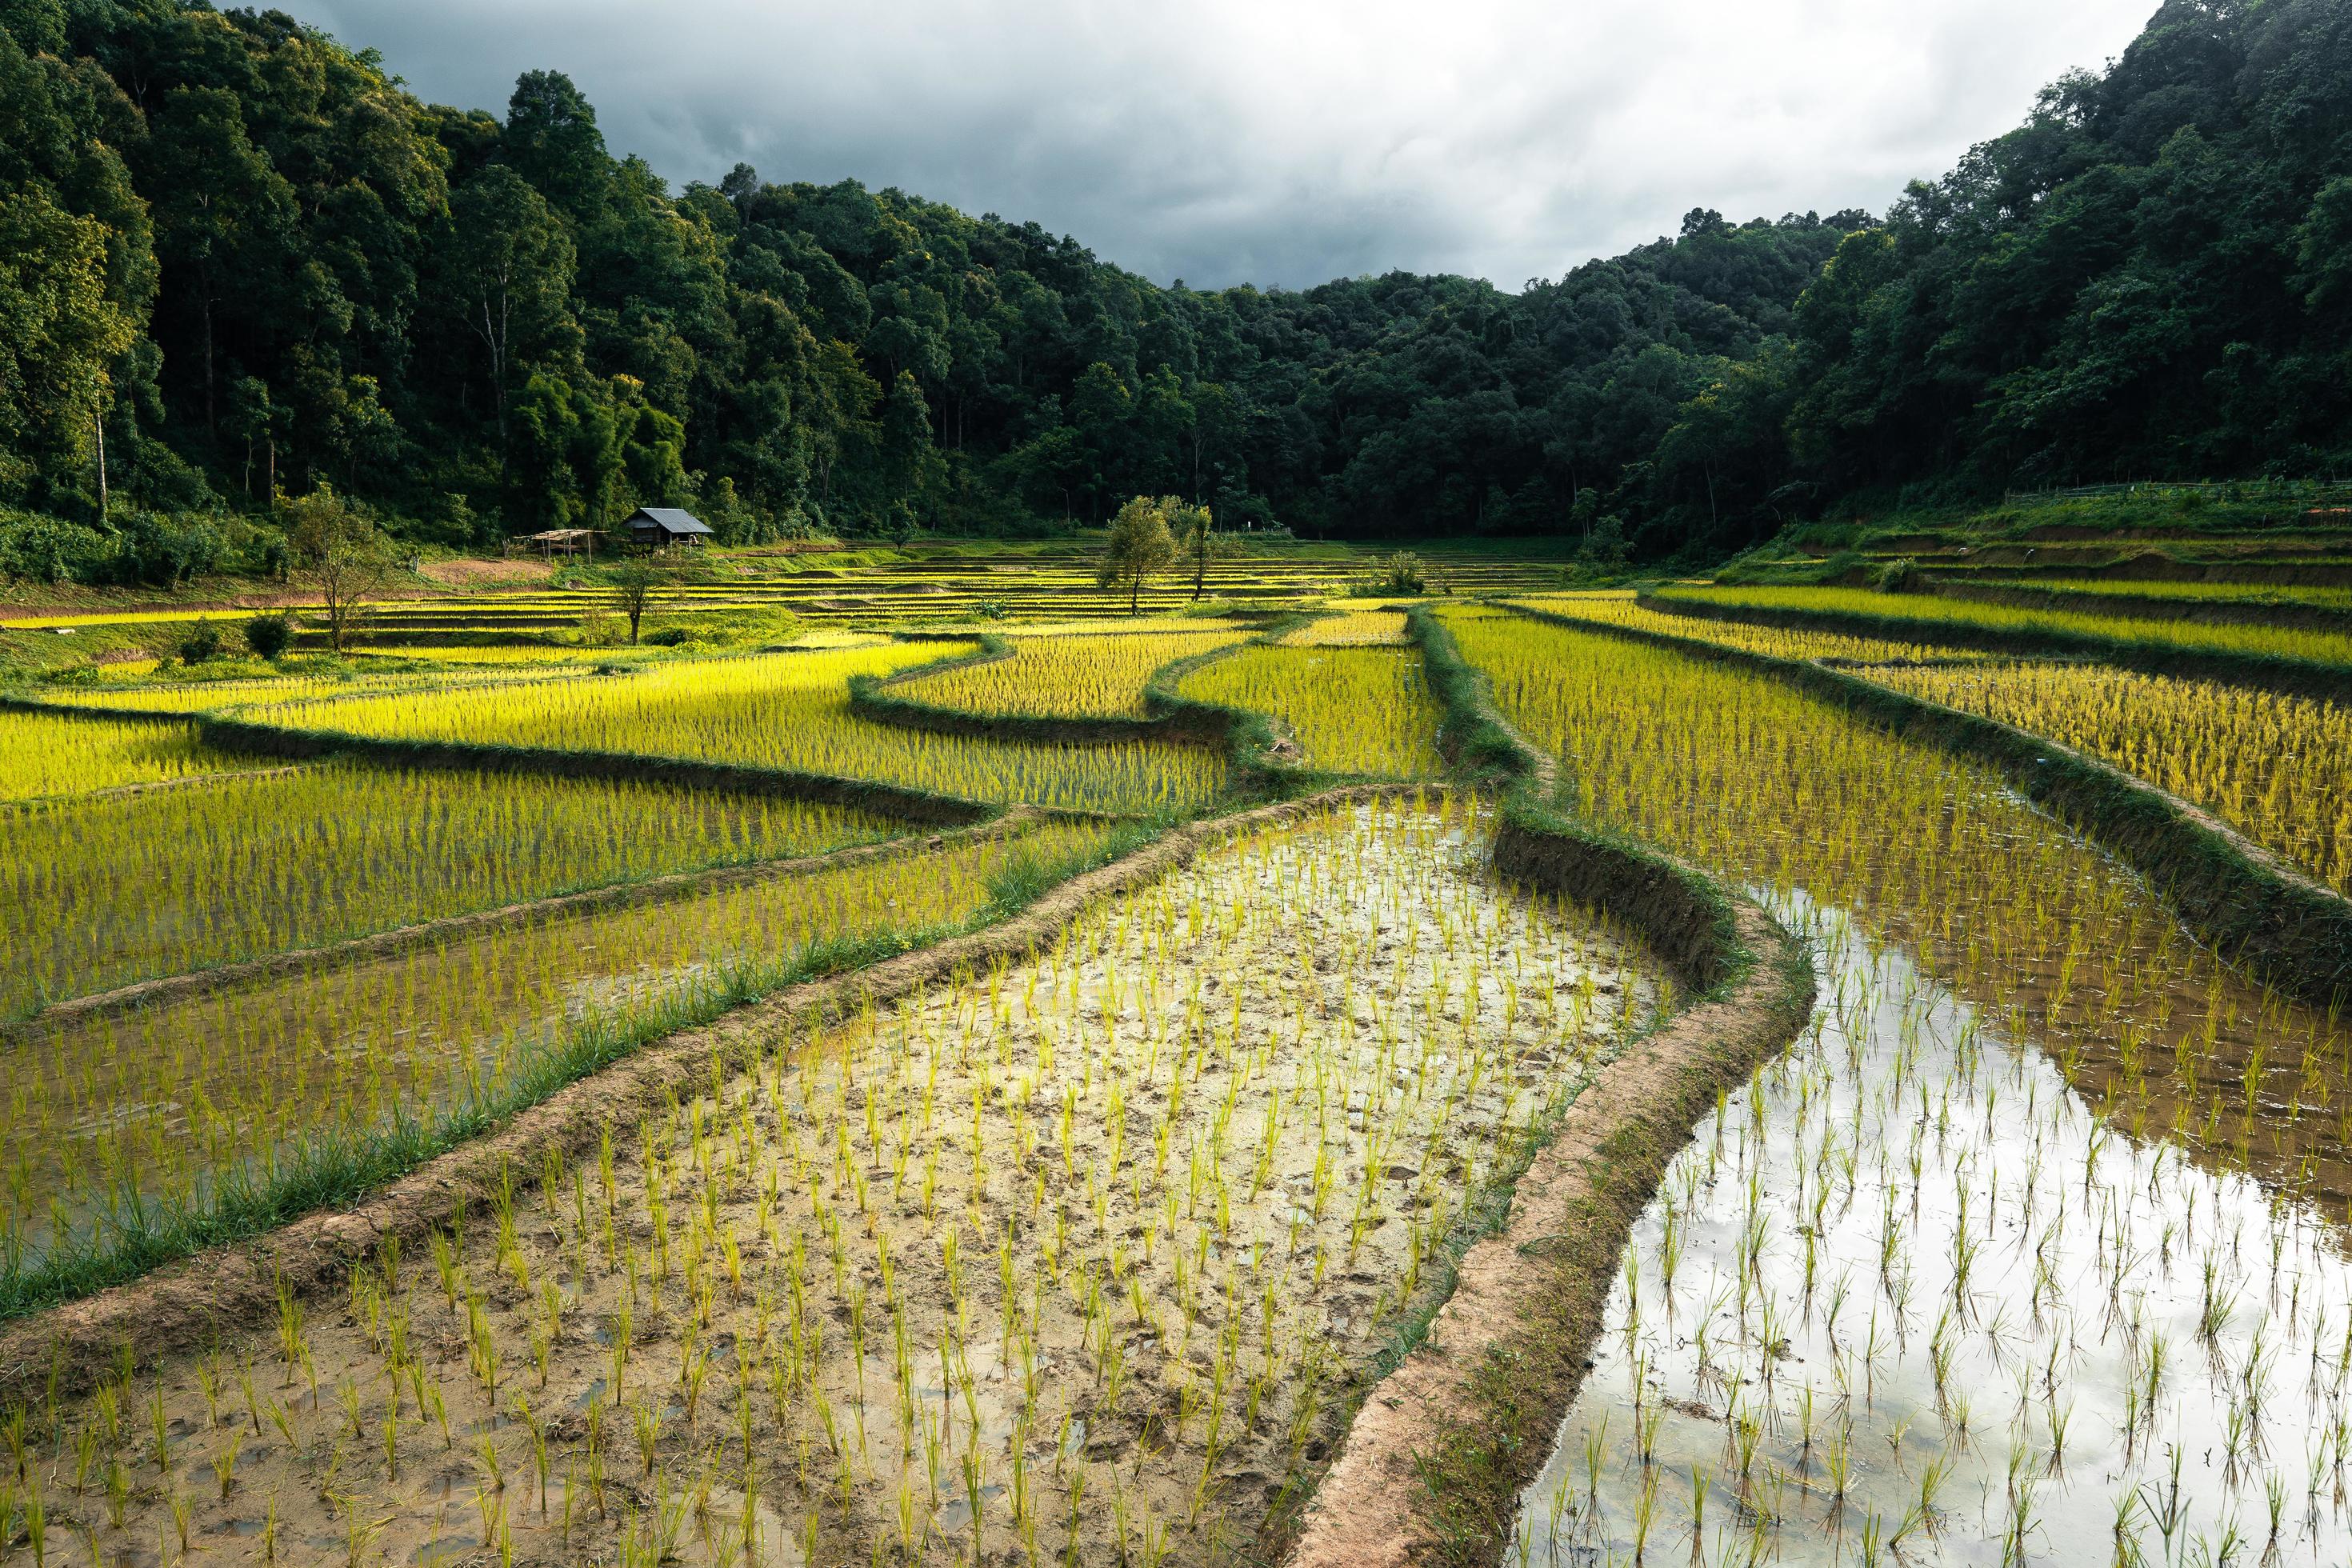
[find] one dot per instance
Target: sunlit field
(787, 711)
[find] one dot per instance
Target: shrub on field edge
(269, 634)
(200, 642)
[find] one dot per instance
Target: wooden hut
(663, 526)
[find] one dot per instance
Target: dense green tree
(1141, 545)
(248, 261)
(507, 275)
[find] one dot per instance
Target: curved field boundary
(2248, 612)
(398, 939)
(90, 710)
(1249, 738)
(153, 787)
(254, 738)
(2237, 898)
(2264, 672)
(1435, 1463)
(179, 1305)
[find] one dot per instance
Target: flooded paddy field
(1088, 1255)
(109, 1120)
(2033, 1252)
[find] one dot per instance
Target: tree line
(246, 262)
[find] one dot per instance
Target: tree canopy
(257, 262)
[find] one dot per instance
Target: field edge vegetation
(2237, 897)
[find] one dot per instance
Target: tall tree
(225, 218)
(506, 272)
(1141, 545)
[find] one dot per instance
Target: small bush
(1898, 577)
(269, 634)
(989, 609)
(1401, 572)
(200, 642)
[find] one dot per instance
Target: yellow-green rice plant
(41, 755)
(107, 1112)
(1350, 628)
(2235, 638)
(95, 894)
(1353, 709)
(2277, 768)
(784, 710)
(1618, 608)
(1097, 675)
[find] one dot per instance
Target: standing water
(1905, 1298)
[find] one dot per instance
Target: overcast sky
(1286, 141)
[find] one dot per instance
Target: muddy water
(158, 1101)
(1084, 1257)
(1905, 1298)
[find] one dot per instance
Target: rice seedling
(915, 1384)
(2311, 596)
(2237, 637)
(1618, 608)
(1350, 628)
(101, 893)
(227, 696)
(1101, 673)
(2004, 1127)
(44, 755)
(1352, 709)
(788, 710)
(2279, 769)
(119, 1122)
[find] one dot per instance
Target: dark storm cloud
(1286, 142)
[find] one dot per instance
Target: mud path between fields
(1435, 1463)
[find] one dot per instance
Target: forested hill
(265, 261)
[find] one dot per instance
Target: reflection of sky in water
(2068, 1388)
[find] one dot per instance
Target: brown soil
(466, 572)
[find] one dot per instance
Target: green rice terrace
(967, 1073)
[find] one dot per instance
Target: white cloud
(1287, 141)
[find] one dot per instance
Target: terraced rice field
(100, 894)
(2279, 769)
(222, 696)
(1084, 1260)
(1618, 609)
(1350, 628)
(1091, 1249)
(1965, 615)
(1996, 955)
(42, 755)
(787, 711)
(119, 1120)
(1357, 709)
(1099, 675)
